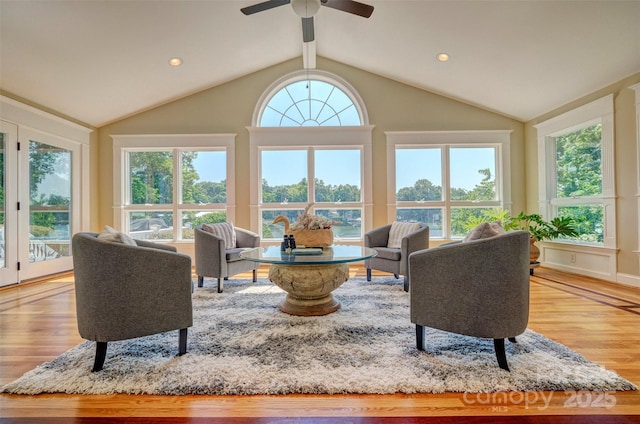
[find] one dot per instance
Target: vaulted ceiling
(100, 60)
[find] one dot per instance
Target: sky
(335, 167)
(211, 166)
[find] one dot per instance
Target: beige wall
(228, 108)
(392, 106)
(626, 167)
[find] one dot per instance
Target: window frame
(324, 138)
(309, 74)
(597, 112)
(636, 89)
(311, 188)
(498, 139)
(176, 143)
(321, 137)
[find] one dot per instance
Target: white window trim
(304, 137)
(598, 111)
(303, 75)
(28, 117)
(77, 138)
(150, 142)
(494, 138)
(636, 88)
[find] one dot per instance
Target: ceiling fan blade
(307, 29)
(260, 7)
(350, 6)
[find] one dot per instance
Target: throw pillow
(225, 231)
(485, 230)
(398, 231)
(114, 236)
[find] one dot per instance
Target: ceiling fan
(307, 8)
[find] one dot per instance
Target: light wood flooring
(598, 319)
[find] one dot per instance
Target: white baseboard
(581, 271)
(628, 280)
(620, 278)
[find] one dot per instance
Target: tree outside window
(425, 194)
(335, 189)
(153, 181)
(579, 180)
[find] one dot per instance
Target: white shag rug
(242, 344)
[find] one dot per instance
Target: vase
(534, 251)
(313, 238)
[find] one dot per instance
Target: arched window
(310, 143)
(310, 99)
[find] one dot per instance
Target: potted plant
(538, 228)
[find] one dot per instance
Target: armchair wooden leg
(368, 274)
(219, 285)
(182, 342)
(406, 283)
(200, 280)
(498, 345)
(255, 275)
(420, 337)
(396, 275)
(101, 354)
(513, 340)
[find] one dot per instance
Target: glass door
(8, 203)
(49, 210)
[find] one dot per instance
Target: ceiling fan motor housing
(305, 8)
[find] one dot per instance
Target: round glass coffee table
(309, 279)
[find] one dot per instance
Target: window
(167, 185)
(444, 178)
(329, 178)
(309, 103)
(578, 175)
(310, 98)
(576, 148)
(311, 144)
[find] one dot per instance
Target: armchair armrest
(415, 241)
(210, 255)
(378, 237)
(152, 245)
(246, 238)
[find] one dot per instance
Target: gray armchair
(395, 261)
(124, 292)
(478, 288)
(213, 259)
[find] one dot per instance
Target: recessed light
(442, 57)
(175, 61)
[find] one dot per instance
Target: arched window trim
(303, 75)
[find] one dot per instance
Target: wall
(626, 169)
(392, 106)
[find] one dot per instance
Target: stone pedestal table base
(309, 287)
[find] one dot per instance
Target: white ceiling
(100, 60)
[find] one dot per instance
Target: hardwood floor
(598, 319)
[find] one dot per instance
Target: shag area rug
(242, 344)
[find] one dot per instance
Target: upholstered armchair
(218, 255)
(478, 288)
(125, 291)
(394, 257)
